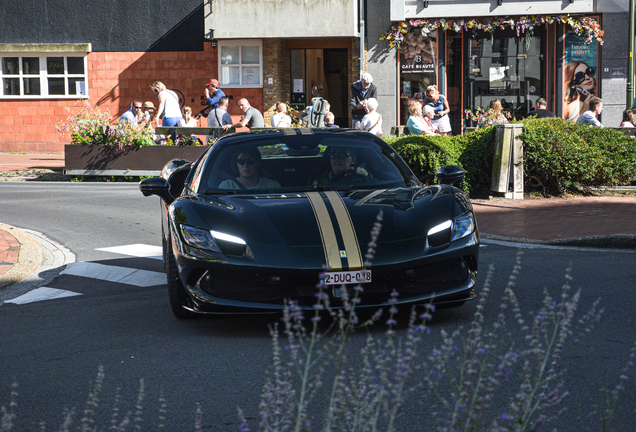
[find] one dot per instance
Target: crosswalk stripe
(137, 250)
(40, 294)
(130, 276)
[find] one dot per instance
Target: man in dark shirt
(361, 91)
(541, 109)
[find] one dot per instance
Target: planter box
(102, 160)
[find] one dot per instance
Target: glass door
(506, 67)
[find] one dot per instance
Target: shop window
(241, 63)
(43, 76)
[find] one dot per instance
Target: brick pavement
(9, 251)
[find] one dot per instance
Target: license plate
(347, 277)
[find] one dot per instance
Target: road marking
(136, 250)
(40, 294)
(130, 276)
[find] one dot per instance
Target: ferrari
(267, 217)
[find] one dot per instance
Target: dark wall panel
(109, 25)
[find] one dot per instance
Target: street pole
(630, 60)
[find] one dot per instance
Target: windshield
(285, 163)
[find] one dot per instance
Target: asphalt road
(53, 349)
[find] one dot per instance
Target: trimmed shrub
(560, 155)
(472, 151)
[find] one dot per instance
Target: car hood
(333, 221)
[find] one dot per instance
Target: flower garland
(585, 27)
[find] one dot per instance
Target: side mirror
(156, 186)
(450, 174)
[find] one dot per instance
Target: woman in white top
(372, 121)
(280, 119)
(168, 109)
(188, 120)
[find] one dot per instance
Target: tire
(176, 291)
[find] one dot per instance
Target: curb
(617, 241)
(29, 258)
(53, 259)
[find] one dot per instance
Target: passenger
(342, 162)
(248, 163)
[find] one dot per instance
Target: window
(39, 76)
(240, 63)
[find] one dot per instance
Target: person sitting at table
(248, 163)
(419, 123)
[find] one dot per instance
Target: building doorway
(321, 73)
(505, 67)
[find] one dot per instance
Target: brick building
(109, 53)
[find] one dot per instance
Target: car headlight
(213, 240)
(199, 238)
(449, 231)
(463, 226)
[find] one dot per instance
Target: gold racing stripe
(327, 233)
(354, 256)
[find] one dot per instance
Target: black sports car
(266, 216)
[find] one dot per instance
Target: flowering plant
(184, 140)
(587, 28)
(485, 118)
(91, 126)
(88, 126)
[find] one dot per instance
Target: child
(329, 120)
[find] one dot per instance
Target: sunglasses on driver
(250, 161)
(339, 155)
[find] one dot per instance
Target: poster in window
(580, 74)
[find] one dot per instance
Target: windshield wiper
(220, 191)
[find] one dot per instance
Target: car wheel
(176, 291)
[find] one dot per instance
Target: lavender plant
(477, 379)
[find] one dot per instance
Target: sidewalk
(599, 221)
(30, 161)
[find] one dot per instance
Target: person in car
(342, 161)
(248, 163)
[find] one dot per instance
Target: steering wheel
(350, 176)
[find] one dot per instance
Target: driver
(343, 162)
(248, 162)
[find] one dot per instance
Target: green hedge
(559, 156)
(427, 154)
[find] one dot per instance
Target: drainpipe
(362, 37)
(630, 60)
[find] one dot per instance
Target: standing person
(213, 95)
(281, 119)
(439, 103)
(252, 118)
(541, 109)
(628, 119)
(219, 117)
(168, 110)
(134, 115)
(591, 116)
(361, 91)
(372, 121)
(580, 90)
